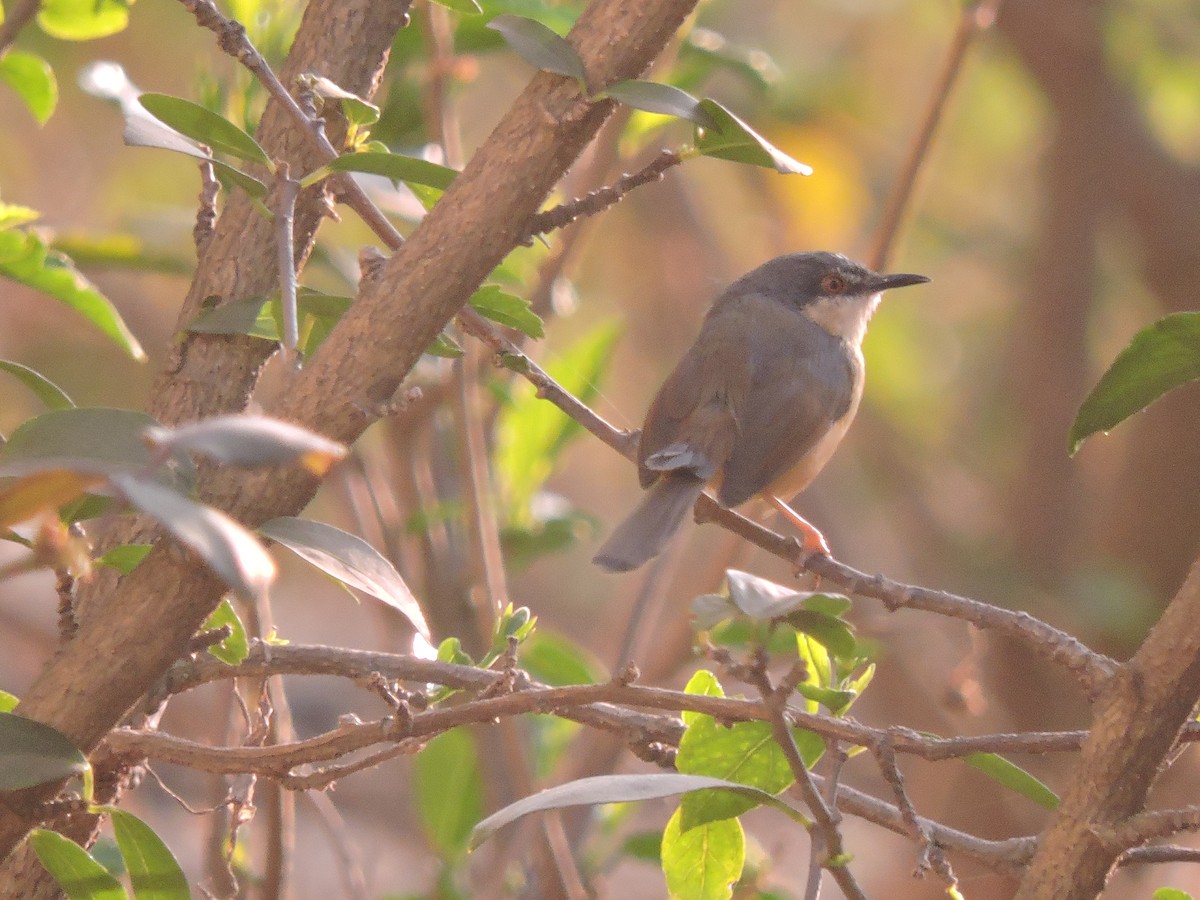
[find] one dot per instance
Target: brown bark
(160, 605)
(1137, 718)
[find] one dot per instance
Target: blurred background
(1057, 212)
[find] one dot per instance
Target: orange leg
(810, 539)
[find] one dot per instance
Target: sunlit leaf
(78, 874)
(664, 99)
(234, 648)
(1160, 357)
(203, 125)
(153, 870)
(449, 790)
(13, 214)
(349, 559)
(704, 862)
(232, 552)
(46, 390)
(32, 753)
(8, 702)
(249, 440)
(24, 257)
(539, 46)
(734, 140)
(33, 80)
(615, 789)
(83, 20)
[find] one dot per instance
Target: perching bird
(760, 401)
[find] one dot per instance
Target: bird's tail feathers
(643, 535)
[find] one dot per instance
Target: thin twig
(973, 20)
(287, 189)
(931, 854)
(350, 864)
(15, 19)
(602, 198)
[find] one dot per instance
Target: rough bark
(160, 605)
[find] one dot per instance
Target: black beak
(887, 282)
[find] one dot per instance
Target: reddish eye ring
(833, 284)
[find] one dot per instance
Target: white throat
(844, 317)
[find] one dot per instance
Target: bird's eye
(833, 284)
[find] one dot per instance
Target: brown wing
(692, 424)
(802, 382)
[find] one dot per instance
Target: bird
(759, 402)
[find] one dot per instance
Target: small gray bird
(760, 401)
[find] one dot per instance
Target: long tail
(643, 535)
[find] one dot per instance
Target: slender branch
(1150, 825)
(828, 851)
(931, 853)
(602, 198)
(974, 19)
(15, 19)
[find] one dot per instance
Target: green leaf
(1013, 777)
(444, 346)
(234, 648)
(1166, 893)
(204, 125)
(664, 99)
(8, 702)
(143, 130)
(469, 7)
(617, 789)
(539, 46)
(32, 753)
(46, 390)
(705, 684)
(495, 303)
(125, 558)
(746, 754)
(356, 110)
(83, 20)
(703, 863)
(1160, 357)
(261, 317)
(450, 650)
(24, 257)
(408, 169)
(12, 214)
(79, 875)
(734, 140)
(232, 552)
(33, 80)
(449, 791)
(350, 560)
(835, 635)
(153, 870)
